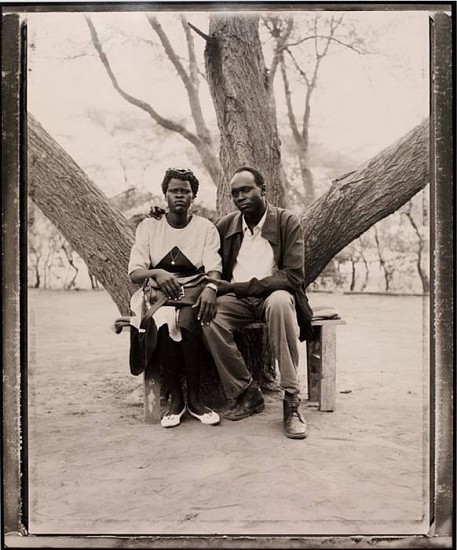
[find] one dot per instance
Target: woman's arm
(140, 261)
(166, 281)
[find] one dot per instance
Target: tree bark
(96, 231)
(238, 84)
(361, 198)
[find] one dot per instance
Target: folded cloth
(323, 312)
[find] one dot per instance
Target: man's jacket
(283, 231)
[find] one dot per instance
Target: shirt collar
(259, 225)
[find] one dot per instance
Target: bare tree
(421, 248)
(44, 242)
(387, 267)
(324, 34)
(362, 246)
(201, 139)
(68, 252)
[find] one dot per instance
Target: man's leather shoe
(249, 402)
(294, 422)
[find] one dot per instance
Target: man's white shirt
(255, 258)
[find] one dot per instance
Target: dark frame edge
(442, 200)
(228, 542)
(218, 5)
(12, 111)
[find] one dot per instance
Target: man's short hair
(183, 174)
(258, 178)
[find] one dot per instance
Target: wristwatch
(212, 286)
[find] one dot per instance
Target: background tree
(201, 139)
(419, 224)
(305, 42)
(50, 258)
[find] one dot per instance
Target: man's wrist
(212, 286)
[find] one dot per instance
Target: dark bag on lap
(191, 290)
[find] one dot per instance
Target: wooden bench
(321, 367)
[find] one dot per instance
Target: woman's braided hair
(183, 174)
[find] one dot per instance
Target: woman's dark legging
(177, 358)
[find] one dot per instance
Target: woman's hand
(206, 305)
(168, 283)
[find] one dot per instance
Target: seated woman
(170, 250)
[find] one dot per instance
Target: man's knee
(280, 301)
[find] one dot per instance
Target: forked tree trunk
(103, 238)
(237, 79)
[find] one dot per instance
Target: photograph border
(14, 288)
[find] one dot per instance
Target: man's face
(246, 194)
(179, 195)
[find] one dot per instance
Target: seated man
(263, 279)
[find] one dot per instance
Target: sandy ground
(96, 468)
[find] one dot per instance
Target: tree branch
(297, 66)
(203, 134)
(281, 45)
(171, 54)
(359, 200)
(166, 123)
(193, 65)
(199, 32)
(290, 109)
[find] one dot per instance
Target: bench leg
(314, 362)
(152, 385)
(328, 369)
(321, 360)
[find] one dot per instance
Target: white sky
(362, 104)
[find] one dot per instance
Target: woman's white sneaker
(209, 418)
(172, 420)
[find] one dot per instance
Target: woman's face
(179, 196)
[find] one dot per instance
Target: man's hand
(206, 305)
(168, 283)
(156, 212)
